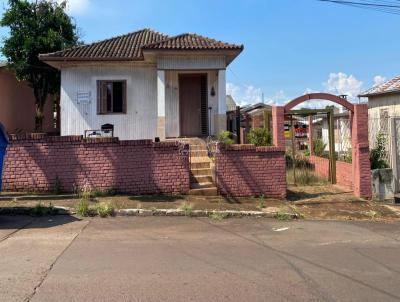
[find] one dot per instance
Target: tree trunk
(40, 98)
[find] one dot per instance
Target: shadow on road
(10, 222)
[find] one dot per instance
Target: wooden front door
(193, 105)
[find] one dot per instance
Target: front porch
(190, 102)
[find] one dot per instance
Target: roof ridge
(105, 40)
(382, 88)
(191, 34)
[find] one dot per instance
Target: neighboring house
(383, 105)
(17, 104)
(384, 118)
(146, 84)
(230, 103)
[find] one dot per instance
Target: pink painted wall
(246, 170)
(17, 104)
(33, 162)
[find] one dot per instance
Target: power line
(385, 6)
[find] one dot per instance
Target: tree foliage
(260, 137)
(37, 27)
(377, 155)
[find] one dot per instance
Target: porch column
(220, 122)
(161, 104)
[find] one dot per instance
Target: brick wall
(34, 162)
(246, 170)
(344, 171)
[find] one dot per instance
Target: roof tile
(131, 46)
(390, 86)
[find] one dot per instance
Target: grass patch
(42, 210)
(303, 177)
(261, 202)
(218, 216)
(82, 208)
(283, 214)
(105, 209)
(187, 208)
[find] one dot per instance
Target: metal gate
(395, 146)
(310, 146)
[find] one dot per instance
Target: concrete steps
(201, 180)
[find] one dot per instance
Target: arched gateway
(361, 172)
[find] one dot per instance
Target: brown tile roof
(131, 46)
(390, 86)
(125, 47)
(191, 41)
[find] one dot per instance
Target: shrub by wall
(39, 163)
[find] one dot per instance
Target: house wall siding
(191, 62)
(39, 163)
(140, 120)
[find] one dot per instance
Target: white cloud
(341, 83)
(378, 80)
(245, 95)
(77, 6)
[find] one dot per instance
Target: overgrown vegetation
(187, 208)
(41, 210)
(104, 209)
(218, 216)
(260, 137)
(378, 154)
(225, 138)
(319, 147)
(82, 208)
(283, 214)
(261, 202)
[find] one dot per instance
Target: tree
(37, 27)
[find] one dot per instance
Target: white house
(146, 84)
(384, 118)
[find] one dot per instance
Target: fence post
(360, 152)
(278, 121)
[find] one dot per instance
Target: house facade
(146, 84)
(384, 118)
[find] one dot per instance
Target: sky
(291, 47)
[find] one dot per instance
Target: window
(111, 97)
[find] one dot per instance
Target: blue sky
(291, 46)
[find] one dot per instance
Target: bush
(105, 209)
(82, 208)
(218, 216)
(225, 138)
(378, 154)
(319, 147)
(187, 208)
(42, 210)
(259, 137)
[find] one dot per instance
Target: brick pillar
(310, 135)
(278, 120)
(360, 152)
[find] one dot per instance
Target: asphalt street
(63, 258)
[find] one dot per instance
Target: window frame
(102, 99)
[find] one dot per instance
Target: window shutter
(124, 96)
(101, 97)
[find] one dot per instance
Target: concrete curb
(156, 212)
